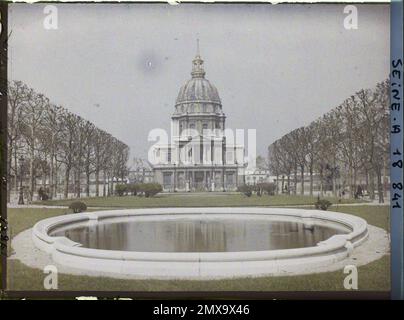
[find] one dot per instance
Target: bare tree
(101, 141)
(88, 152)
(68, 147)
(275, 164)
(17, 92)
(54, 140)
(349, 141)
(33, 111)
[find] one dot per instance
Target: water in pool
(218, 234)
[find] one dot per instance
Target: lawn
(374, 276)
(24, 218)
(375, 215)
(196, 200)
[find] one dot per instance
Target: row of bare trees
(346, 150)
(63, 151)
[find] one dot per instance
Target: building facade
(199, 157)
(257, 175)
(141, 175)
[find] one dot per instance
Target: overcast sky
(277, 67)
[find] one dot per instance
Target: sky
(276, 67)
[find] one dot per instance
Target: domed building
(199, 158)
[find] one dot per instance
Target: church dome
(198, 90)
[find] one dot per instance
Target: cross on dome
(197, 64)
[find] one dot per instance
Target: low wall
(204, 265)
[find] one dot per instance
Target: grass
(199, 200)
(374, 276)
(375, 215)
(24, 218)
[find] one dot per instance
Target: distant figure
(359, 192)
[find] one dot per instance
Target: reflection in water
(197, 235)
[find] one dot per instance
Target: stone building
(198, 157)
(257, 175)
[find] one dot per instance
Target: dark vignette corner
(3, 140)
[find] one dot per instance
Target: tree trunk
(379, 185)
(9, 159)
(371, 185)
(367, 180)
(334, 186)
(108, 185)
(104, 186)
(16, 171)
(385, 181)
(44, 175)
(67, 177)
(311, 180)
(277, 185)
(112, 186)
(51, 176)
(78, 184)
(55, 181)
(283, 184)
(350, 193)
(302, 180)
(31, 176)
(334, 178)
(321, 183)
(97, 183)
(88, 184)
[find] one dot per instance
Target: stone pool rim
(199, 264)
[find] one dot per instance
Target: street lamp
(21, 197)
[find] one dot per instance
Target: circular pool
(200, 243)
(200, 233)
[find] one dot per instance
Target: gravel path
(38, 206)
